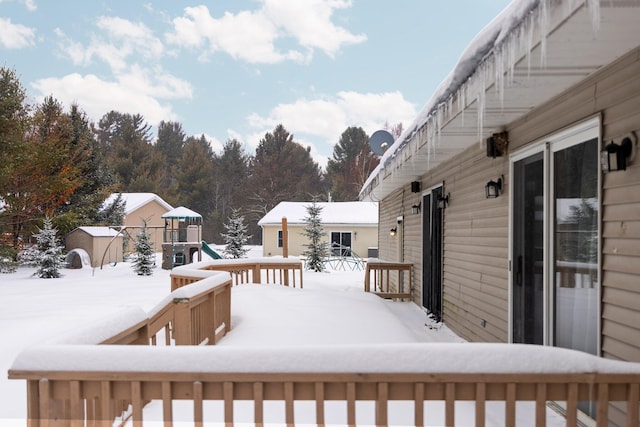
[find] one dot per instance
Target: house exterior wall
(363, 237)
(152, 213)
(476, 231)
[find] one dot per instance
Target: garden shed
(102, 244)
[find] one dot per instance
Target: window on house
(279, 238)
(341, 243)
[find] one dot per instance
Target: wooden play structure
(182, 237)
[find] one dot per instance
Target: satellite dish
(380, 141)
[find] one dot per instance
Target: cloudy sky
(237, 68)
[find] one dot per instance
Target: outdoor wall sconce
(493, 188)
(415, 186)
(616, 157)
(443, 201)
(415, 209)
(497, 144)
(393, 232)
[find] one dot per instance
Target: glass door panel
(528, 251)
(575, 237)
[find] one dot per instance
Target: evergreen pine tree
(318, 248)
(144, 255)
(236, 236)
(46, 254)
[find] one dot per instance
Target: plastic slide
(209, 251)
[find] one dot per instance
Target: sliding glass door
(555, 241)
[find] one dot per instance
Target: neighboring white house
(353, 225)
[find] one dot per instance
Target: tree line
(55, 163)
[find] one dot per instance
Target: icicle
(544, 29)
(480, 98)
(529, 43)
(594, 9)
(498, 65)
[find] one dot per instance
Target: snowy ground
(331, 309)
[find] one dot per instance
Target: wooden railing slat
(198, 414)
(481, 395)
(167, 404)
(351, 404)
(510, 405)
(319, 395)
(572, 404)
(632, 405)
(418, 404)
(228, 403)
(541, 405)
(258, 404)
(602, 411)
(105, 415)
(382, 404)
(450, 402)
(288, 403)
(44, 394)
(137, 403)
(76, 408)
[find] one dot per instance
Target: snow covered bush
(46, 254)
(8, 262)
(317, 248)
(144, 261)
(236, 236)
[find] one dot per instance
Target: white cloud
(253, 36)
(214, 142)
(29, 4)
(138, 83)
(247, 35)
(97, 96)
(15, 36)
(309, 21)
(119, 40)
(327, 118)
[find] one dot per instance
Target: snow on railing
(255, 270)
(381, 384)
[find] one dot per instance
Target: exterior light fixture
(493, 189)
(393, 232)
(415, 209)
(616, 157)
(443, 201)
(497, 144)
(415, 186)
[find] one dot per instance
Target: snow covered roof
(531, 52)
(134, 201)
(99, 231)
(181, 212)
(361, 213)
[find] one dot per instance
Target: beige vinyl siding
(476, 236)
(475, 243)
(476, 249)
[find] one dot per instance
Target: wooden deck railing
(382, 279)
(194, 315)
(60, 386)
(255, 270)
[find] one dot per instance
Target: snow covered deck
(355, 364)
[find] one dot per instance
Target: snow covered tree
(46, 254)
(144, 255)
(318, 248)
(236, 236)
